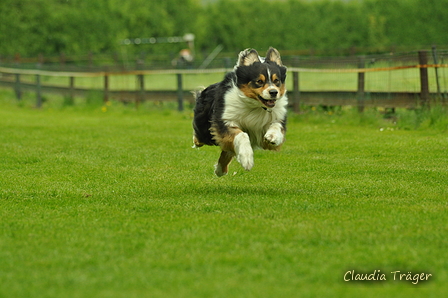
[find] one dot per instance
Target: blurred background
(209, 33)
(348, 52)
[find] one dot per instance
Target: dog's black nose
(273, 93)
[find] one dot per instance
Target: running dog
(245, 111)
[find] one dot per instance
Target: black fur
(209, 108)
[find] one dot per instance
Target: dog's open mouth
(270, 103)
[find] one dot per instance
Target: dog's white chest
(247, 114)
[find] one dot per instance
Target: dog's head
(261, 79)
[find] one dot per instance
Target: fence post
(72, 90)
(180, 93)
(17, 87)
(296, 92)
(38, 92)
(434, 56)
(361, 85)
(106, 88)
(296, 86)
(424, 82)
(141, 86)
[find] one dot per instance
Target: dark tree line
(76, 27)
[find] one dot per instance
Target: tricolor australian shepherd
(246, 111)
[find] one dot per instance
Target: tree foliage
(49, 27)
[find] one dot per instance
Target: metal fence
(392, 80)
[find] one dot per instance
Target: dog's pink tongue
(270, 103)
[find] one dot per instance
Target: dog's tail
(197, 92)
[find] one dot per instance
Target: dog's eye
(260, 82)
(276, 81)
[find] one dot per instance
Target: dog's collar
(267, 110)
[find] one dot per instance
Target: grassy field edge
(116, 203)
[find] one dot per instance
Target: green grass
(116, 203)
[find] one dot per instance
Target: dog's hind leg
(196, 142)
(222, 167)
(236, 142)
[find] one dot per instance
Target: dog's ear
(274, 56)
(248, 57)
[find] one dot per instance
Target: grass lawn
(116, 203)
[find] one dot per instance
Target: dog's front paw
(246, 158)
(274, 137)
(244, 152)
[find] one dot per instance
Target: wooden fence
(11, 77)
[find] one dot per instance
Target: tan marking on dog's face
(254, 88)
(276, 80)
(278, 83)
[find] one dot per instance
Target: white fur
(243, 151)
(194, 145)
(274, 134)
(248, 57)
(249, 115)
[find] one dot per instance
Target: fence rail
(12, 77)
